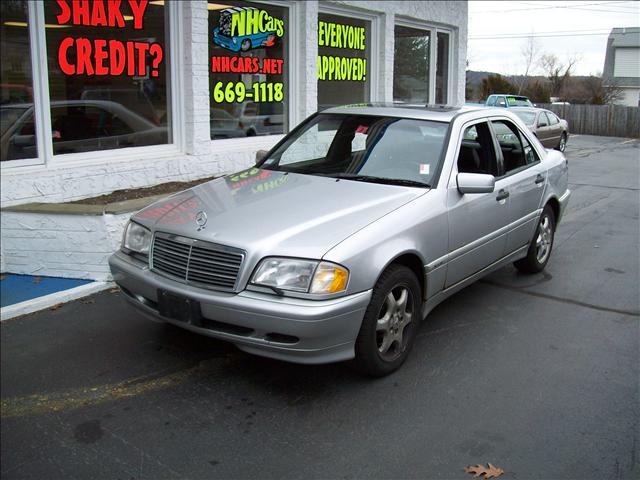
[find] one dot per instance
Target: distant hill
(474, 80)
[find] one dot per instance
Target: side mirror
(542, 124)
(260, 155)
(475, 183)
(22, 141)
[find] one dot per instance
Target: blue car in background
(222, 34)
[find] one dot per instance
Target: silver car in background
(552, 131)
(343, 237)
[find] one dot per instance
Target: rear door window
(513, 151)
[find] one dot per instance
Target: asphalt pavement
(538, 375)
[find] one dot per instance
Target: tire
(541, 244)
(562, 144)
(383, 346)
(245, 45)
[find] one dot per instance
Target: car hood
(267, 212)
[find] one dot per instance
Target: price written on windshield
(237, 92)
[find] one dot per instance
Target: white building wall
(630, 97)
(198, 156)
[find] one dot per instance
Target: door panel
(525, 196)
(524, 180)
(475, 236)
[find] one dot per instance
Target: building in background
(97, 97)
(622, 64)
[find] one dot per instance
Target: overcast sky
(579, 28)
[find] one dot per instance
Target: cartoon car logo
(233, 33)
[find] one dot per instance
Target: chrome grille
(196, 262)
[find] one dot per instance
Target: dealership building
(98, 97)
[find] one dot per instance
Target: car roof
(438, 113)
(509, 95)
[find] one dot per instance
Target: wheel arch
(555, 206)
(413, 262)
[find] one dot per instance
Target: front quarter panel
(418, 228)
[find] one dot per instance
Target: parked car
(508, 100)
(135, 100)
(553, 132)
(261, 118)
(77, 126)
(348, 232)
(223, 125)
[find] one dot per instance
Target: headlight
(297, 275)
(136, 239)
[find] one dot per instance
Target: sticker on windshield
(424, 169)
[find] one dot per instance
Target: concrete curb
(40, 303)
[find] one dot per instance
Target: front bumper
(291, 329)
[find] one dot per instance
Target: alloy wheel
(544, 239)
(395, 315)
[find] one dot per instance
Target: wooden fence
(605, 120)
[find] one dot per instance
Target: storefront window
(411, 65)
(17, 128)
(248, 69)
(108, 74)
(442, 69)
(344, 49)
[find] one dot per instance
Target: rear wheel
(541, 244)
(390, 322)
(245, 45)
(562, 145)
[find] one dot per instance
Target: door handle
(539, 179)
(502, 195)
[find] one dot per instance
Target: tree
(495, 84)
(601, 91)
(530, 52)
(537, 92)
(557, 72)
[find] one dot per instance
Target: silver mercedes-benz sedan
(348, 232)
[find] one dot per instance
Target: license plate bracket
(178, 307)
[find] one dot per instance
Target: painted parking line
(40, 404)
(629, 141)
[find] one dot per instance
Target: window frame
(374, 55)
(433, 30)
(500, 157)
(42, 102)
(294, 88)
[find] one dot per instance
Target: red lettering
(83, 50)
(98, 15)
(81, 14)
(65, 12)
(131, 67)
(142, 49)
(115, 15)
(101, 55)
(138, 8)
(117, 57)
(82, 56)
(65, 66)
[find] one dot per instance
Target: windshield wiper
(387, 181)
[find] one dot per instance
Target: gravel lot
(538, 375)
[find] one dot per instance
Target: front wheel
(541, 244)
(390, 323)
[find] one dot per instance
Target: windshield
(527, 117)
(519, 102)
(364, 148)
